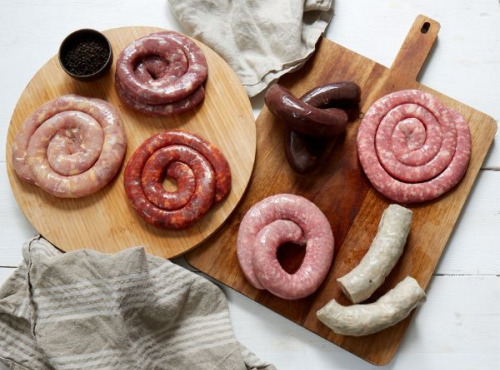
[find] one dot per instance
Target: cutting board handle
(415, 48)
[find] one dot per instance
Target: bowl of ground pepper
(85, 55)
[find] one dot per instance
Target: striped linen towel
(130, 310)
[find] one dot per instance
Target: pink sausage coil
(70, 147)
(277, 220)
(412, 147)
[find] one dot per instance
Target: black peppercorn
(86, 56)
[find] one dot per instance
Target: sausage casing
(205, 171)
(364, 319)
(383, 254)
(70, 147)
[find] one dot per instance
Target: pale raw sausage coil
(364, 319)
(202, 174)
(70, 147)
(412, 147)
(161, 74)
(277, 220)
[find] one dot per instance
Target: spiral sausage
(412, 147)
(271, 223)
(70, 147)
(202, 174)
(161, 74)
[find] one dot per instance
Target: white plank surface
(448, 331)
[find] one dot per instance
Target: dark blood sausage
(302, 117)
(303, 152)
(304, 149)
(161, 74)
(200, 170)
(412, 147)
(343, 94)
(70, 147)
(277, 220)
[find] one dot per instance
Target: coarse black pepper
(86, 56)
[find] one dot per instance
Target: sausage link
(365, 319)
(383, 254)
(333, 94)
(304, 151)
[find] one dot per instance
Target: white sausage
(393, 229)
(365, 319)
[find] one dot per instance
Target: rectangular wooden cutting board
(342, 192)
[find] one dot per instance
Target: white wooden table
(459, 326)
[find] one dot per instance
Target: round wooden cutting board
(105, 221)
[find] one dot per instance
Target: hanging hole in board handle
(425, 27)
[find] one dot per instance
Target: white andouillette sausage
(364, 319)
(383, 254)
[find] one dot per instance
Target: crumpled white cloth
(260, 39)
(129, 310)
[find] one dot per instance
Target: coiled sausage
(71, 146)
(202, 174)
(272, 222)
(412, 147)
(161, 74)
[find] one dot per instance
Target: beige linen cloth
(260, 39)
(130, 310)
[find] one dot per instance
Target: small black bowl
(85, 55)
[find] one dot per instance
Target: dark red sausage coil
(412, 147)
(279, 219)
(161, 74)
(200, 170)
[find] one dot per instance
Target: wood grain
(105, 221)
(342, 192)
